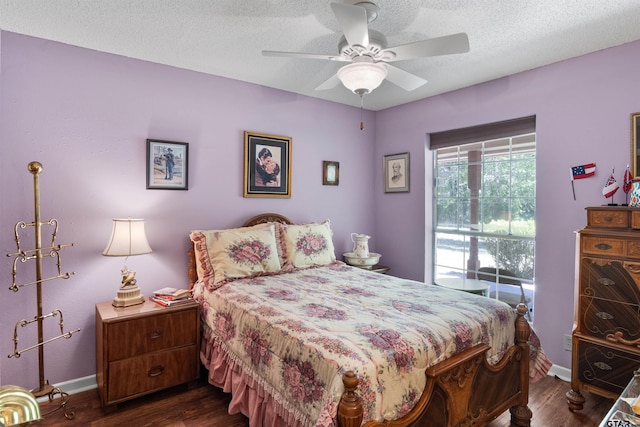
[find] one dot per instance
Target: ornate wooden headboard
(258, 219)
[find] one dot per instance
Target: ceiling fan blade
(330, 83)
(305, 55)
(353, 20)
(404, 79)
(446, 45)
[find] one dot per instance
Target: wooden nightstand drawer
(152, 333)
(145, 348)
(151, 372)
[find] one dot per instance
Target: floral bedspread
(295, 334)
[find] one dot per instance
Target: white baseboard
(74, 386)
(561, 372)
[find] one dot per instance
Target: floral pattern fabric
(295, 334)
(309, 244)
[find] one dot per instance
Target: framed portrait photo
(396, 173)
(167, 165)
(330, 173)
(267, 165)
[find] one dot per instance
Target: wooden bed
(464, 390)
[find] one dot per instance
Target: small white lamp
(127, 239)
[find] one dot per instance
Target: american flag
(583, 171)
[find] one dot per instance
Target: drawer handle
(607, 218)
(606, 281)
(154, 335)
(156, 371)
(603, 246)
(603, 366)
(604, 315)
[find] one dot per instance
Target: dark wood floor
(205, 405)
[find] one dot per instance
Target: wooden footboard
(463, 390)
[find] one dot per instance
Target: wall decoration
(330, 173)
(396, 173)
(167, 165)
(267, 165)
(635, 146)
(581, 172)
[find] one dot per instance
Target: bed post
(521, 414)
(350, 410)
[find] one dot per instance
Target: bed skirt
(248, 396)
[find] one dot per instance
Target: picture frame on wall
(396, 173)
(267, 165)
(635, 146)
(330, 173)
(167, 165)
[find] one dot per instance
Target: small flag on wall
(579, 172)
(583, 171)
(610, 187)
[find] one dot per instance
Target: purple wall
(583, 109)
(86, 115)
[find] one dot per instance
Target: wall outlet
(567, 342)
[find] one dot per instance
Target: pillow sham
(224, 255)
(309, 244)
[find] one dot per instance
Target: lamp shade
(362, 77)
(127, 238)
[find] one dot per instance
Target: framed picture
(267, 165)
(396, 173)
(330, 173)
(635, 146)
(167, 165)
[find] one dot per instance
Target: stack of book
(171, 296)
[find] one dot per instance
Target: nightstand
(375, 268)
(145, 348)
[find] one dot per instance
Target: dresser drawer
(597, 245)
(604, 318)
(144, 374)
(608, 218)
(610, 279)
(606, 368)
(151, 333)
(635, 219)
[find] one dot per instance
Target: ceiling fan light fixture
(362, 77)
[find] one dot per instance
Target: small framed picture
(330, 173)
(267, 165)
(396, 173)
(167, 165)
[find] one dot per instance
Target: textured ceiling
(226, 37)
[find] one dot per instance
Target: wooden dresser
(145, 348)
(606, 329)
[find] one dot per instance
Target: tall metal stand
(37, 254)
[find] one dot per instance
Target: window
(484, 212)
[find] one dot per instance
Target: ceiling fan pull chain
(361, 108)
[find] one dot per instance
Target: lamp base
(128, 296)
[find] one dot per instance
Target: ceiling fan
(369, 57)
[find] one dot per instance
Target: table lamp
(127, 238)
